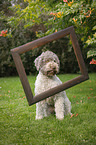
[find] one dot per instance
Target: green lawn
(18, 124)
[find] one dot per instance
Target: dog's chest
(44, 83)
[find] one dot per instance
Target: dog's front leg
(59, 108)
(67, 106)
(45, 109)
(39, 111)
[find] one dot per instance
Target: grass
(18, 124)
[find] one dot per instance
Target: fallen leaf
(76, 115)
(74, 96)
(72, 115)
(88, 97)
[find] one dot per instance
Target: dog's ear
(57, 59)
(36, 61)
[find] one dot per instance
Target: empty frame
(42, 41)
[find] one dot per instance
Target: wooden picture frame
(39, 42)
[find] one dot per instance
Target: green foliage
(37, 18)
(78, 14)
(91, 53)
(18, 124)
(57, 16)
(92, 42)
(29, 15)
(20, 36)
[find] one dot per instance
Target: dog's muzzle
(51, 72)
(51, 68)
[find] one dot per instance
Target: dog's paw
(39, 117)
(60, 117)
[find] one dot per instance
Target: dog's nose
(53, 67)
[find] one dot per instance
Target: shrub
(42, 18)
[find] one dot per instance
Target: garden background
(24, 21)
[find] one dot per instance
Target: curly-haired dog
(48, 66)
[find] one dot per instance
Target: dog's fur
(48, 66)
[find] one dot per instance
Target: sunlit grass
(18, 124)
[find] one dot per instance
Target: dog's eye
(55, 61)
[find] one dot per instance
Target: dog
(48, 66)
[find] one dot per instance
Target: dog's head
(48, 63)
